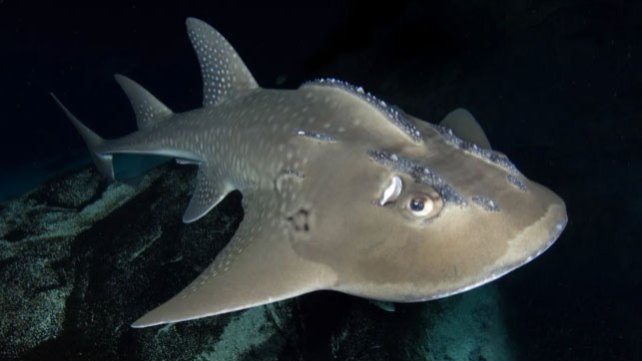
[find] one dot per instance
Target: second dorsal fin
(147, 108)
(224, 72)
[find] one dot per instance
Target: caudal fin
(103, 161)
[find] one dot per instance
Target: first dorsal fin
(224, 72)
(258, 266)
(464, 125)
(148, 109)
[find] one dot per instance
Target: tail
(103, 161)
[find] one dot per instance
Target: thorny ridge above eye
(420, 205)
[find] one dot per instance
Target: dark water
(557, 86)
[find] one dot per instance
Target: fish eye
(424, 205)
(420, 206)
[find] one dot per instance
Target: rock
(37, 263)
(81, 260)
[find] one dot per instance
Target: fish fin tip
(254, 269)
(148, 109)
(93, 141)
(209, 192)
(222, 68)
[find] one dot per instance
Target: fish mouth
(556, 214)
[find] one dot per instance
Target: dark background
(556, 84)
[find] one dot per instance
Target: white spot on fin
(255, 268)
(147, 108)
(210, 190)
(223, 70)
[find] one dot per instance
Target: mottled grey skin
(341, 191)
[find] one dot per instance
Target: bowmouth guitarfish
(341, 191)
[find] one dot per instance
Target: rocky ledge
(80, 260)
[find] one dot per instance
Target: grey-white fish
(341, 191)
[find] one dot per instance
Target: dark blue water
(556, 85)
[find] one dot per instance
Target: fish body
(341, 191)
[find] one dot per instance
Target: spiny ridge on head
(391, 112)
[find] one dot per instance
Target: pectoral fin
(210, 191)
(257, 267)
